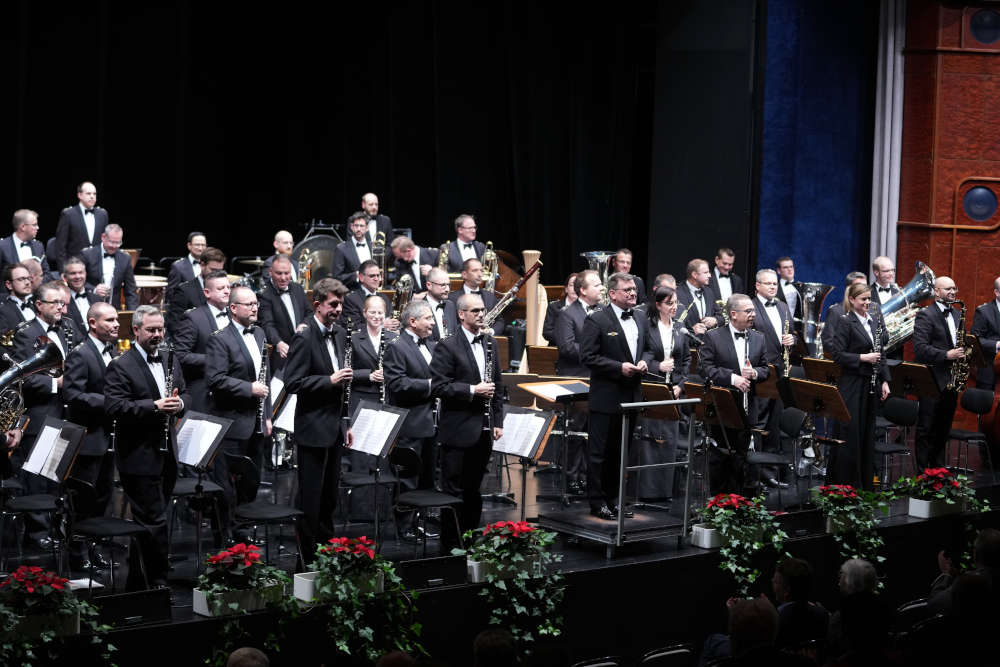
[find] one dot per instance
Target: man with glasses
(315, 372)
(471, 412)
(22, 244)
(369, 279)
(934, 344)
(611, 346)
(472, 283)
(110, 270)
(465, 246)
(445, 313)
(733, 357)
(233, 362)
(195, 331)
(16, 308)
(283, 309)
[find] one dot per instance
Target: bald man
(283, 244)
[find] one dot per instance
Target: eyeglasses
(57, 302)
(249, 304)
(431, 282)
(627, 290)
(21, 280)
(475, 310)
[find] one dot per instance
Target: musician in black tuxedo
(697, 301)
(193, 333)
(465, 246)
(22, 244)
(445, 312)
(314, 371)
(83, 390)
(350, 254)
(407, 368)
(110, 271)
(16, 307)
(771, 318)
(733, 357)
(883, 289)
(622, 263)
(235, 360)
(723, 281)
(284, 246)
(611, 346)
(191, 293)
(189, 266)
(860, 337)
(472, 283)
(835, 312)
(934, 331)
(412, 261)
(283, 309)
(370, 279)
(786, 291)
(136, 397)
(369, 344)
(986, 326)
(81, 294)
(80, 226)
(549, 326)
(466, 377)
(569, 328)
(376, 221)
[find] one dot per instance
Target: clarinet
(488, 377)
(876, 347)
(381, 356)
(168, 390)
(265, 358)
(345, 411)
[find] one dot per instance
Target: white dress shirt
(438, 314)
(105, 356)
(742, 346)
(23, 251)
(773, 316)
(329, 345)
(89, 223)
(630, 328)
(108, 267)
(866, 324)
(156, 369)
(478, 351)
(218, 322)
(699, 301)
(950, 320)
(467, 253)
(791, 294)
(883, 296)
(27, 313)
(424, 352)
(725, 284)
(251, 344)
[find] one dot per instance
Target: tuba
(491, 267)
(11, 401)
(404, 292)
(812, 295)
(599, 260)
(901, 310)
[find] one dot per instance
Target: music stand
(375, 427)
(561, 393)
(655, 393)
(909, 379)
(821, 370)
(821, 400)
(525, 434)
(717, 407)
(978, 356)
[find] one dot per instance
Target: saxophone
(960, 367)
(168, 390)
(785, 348)
(265, 358)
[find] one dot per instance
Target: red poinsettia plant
(33, 590)
(851, 518)
(346, 566)
(939, 484)
(354, 546)
(238, 568)
(507, 541)
(746, 527)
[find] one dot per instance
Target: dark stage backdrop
(535, 118)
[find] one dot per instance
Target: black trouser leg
(319, 477)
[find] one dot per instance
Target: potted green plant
(523, 591)
(742, 528)
(235, 581)
(937, 491)
(850, 518)
(369, 610)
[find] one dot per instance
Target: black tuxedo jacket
(185, 296)
(603, 349)
(354, 304)
(773, 349)
(365, 361)
(734, 280)
(425, 256)
(455, 255)
(449, 317)
(986, 325)
(382, 224)
(692, 317)
(829, 335)
(122, 278)
(191, 343)
(454, 371)
(318, 409)
(489, 300)
(265, 269)
(83, 389)
(932, 340)
(8, 254)
(346, 263)
(569, 329)
(407, 378)
(78, 317)
(798, 302)
(550, 329)
(180, 271)
(719, 361)
(229, 371)
(71, 232)
(273, 316)
(850, 343)
(129, 392)
(680, 351)
(39, 399)
(11, 314)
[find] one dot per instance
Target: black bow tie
(196, 261)
(26, 305)
(153, 359)
(282, 291)
(361, 245)
(249, 330)
(80, 295)
(422, 341)
(698, 293)
(109, 350)
(222, 313)
(627, 314)
(476, 292)
(52, 327)
(25, 244)
(769, 303)
(329, 334)
(946, 313)
(478, 339)
(887, 290)
(590, 309)
(723, 275)
(108, 254)
(440, 306)
(740, 334)
(88, 210)
(467, 245)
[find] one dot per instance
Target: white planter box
(62, 625)
(304, 585)
(248, 600)
(705, 537)
(928, 509)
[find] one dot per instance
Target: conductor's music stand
(525, 433)
(655, 393)
(560, 393)
(821, 400)
(909, 379)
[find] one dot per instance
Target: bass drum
(313, 259)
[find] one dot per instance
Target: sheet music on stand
(525, 432)
(54, 450)
(283, 410)
(198, 438)
(375, 427)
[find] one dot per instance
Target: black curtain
(536, 118)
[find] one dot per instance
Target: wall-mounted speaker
(981, 29)
(977, 201)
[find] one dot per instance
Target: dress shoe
(775, 484)
(575, 489)
(604, 512)
(99, 561)
(628, 512)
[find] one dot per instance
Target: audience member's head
(396, 659)
(987, 548)
(857, 576)
(752, 624)
(247, 656)
(792, 578)
(494, 647)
